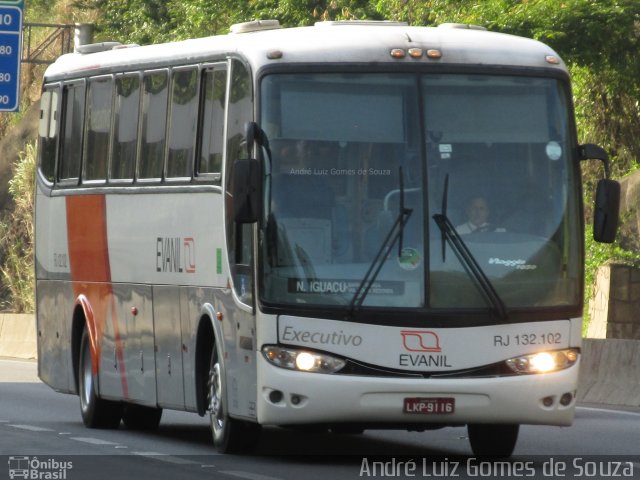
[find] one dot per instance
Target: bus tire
(138, 417)
(96, 412)
(229, 434)
(493, 440)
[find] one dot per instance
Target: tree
(132, 21)
(307, 12)
(199, 18)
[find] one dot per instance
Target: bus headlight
(544, 362)
(302, 360)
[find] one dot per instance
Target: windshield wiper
(467, 259)
(395, 233)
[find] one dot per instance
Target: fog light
(566, 399)
(302, 360)
(544, 362)
(547, 401)
(275, 396)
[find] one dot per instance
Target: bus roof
(326, 42)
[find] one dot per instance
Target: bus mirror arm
(607, 204)
(254, 135)
(246, 190)
(250, 135)
(589, 151)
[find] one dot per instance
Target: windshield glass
(492, 154)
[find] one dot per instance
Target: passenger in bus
(478, 213)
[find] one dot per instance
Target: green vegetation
(16, 237)
(599, 40)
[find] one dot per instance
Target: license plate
(429, 406)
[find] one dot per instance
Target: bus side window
(48, 132)
(154, 122)
(125, 127)
(182, 124)
(239, 236)
(73, 124)
(212, 122)
(99, 102)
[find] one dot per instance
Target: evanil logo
(422, 344)
(420, 341)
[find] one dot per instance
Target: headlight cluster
(302, 360)
(544, 362)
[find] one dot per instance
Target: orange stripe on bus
(87, 236)
(91, 271)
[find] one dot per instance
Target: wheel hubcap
(86, 379)
(215, 399)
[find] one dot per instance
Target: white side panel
(54, 308)
(239, 330)
(52, 254)
(173, 239)
(168, 341)
(112, 371)
(135, 313)
(54, 300)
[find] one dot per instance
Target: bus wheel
(137, 417)
(96, 412)
(493, 440)
(229, 435)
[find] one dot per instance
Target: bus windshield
(489, 154)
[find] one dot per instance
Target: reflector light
(274, 55)
(398, 53)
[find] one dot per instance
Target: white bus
(262, 227)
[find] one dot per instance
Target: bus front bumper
(287, 397)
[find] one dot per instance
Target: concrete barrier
(17, 336)
(609, 370)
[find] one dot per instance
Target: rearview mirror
(246, 190)
(605, 216)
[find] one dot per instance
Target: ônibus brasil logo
(37, 469)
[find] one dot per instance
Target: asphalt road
(38, 423)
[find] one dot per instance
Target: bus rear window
(98, 128)
(125, 128)
(48, 132)
(154, 121)
(182, 124)
(73, 120)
